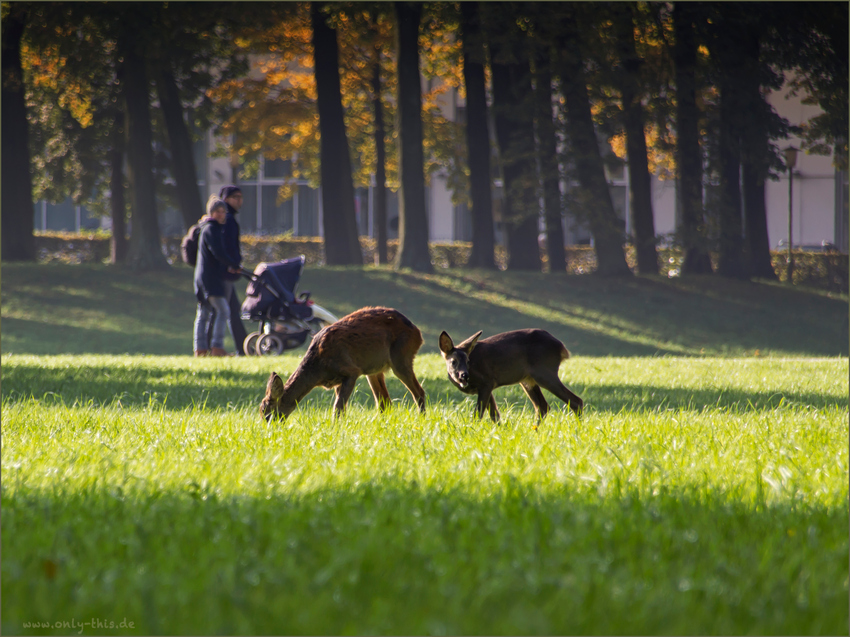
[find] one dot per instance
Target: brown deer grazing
(528, 357)
(367, 342)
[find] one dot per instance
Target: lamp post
(790, 161)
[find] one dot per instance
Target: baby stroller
(284, 320)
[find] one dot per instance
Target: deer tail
(565, 353)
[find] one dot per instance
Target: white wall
(813, 189)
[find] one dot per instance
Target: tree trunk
(547, 154)
(725, 52)
(640, 183)
(413, 220)
(145, 249)
(730, 262)
(117, 202)
(380, 209)
(18, 243)
(342, 246)
(756, 223)
(598, 208)
(477, 140)
(182, 156)
(513, 107)
(755, 159)
(692, 227)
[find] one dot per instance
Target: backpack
(189, 245)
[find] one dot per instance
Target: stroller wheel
(249, 345)
(269, 345)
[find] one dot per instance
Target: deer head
(457, 358)
(273, 403)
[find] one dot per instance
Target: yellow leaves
(661, 164)
(44, 71)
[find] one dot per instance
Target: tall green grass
(695, 496)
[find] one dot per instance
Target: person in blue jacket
(213, 265)
(232, 197)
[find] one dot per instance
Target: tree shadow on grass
(235, 389)
(94, 309)
(389, 557)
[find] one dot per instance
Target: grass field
(698, 494)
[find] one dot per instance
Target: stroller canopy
(274, 284)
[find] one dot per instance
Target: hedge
(821, 270)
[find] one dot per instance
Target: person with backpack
(232, 197)
(213, 263)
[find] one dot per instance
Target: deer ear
(446, 344)
(469, 343)
(274, 389)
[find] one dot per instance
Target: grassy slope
(96, 309)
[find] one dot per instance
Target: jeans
(217, 310)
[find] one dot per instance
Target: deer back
(365, 340)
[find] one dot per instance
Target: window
(277, 168)
(463, 223)
(248, 214)
(308, 212)
(277, 217)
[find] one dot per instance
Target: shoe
(201, 352)
(218, 351)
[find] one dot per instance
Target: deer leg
(494, 410)
(403, 369)
(343, 393)
(536, 397)
(552, 383)
(379, 390)
(487, 401)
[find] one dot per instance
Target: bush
(821, 270)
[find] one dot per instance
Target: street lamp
(790, 161)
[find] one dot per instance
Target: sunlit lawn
(695, 496)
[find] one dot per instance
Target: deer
(367, 342)
(530, 358)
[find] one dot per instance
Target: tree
(755, 154)
(477, 139)
(513, 109)
(413, 220)
(145, 249)
(547, 157)
(17, 205)
(640, 185)
(381, 255)
(118, 206)
(182, 157)
(380, 168)
(727, 33)
(341, 243)
(179, 63)
(742, 152)
(812, 39)
(692, 227)
(597, 207)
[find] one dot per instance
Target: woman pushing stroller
(211, 284)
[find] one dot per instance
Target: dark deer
(367, 342)
(528, 357)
